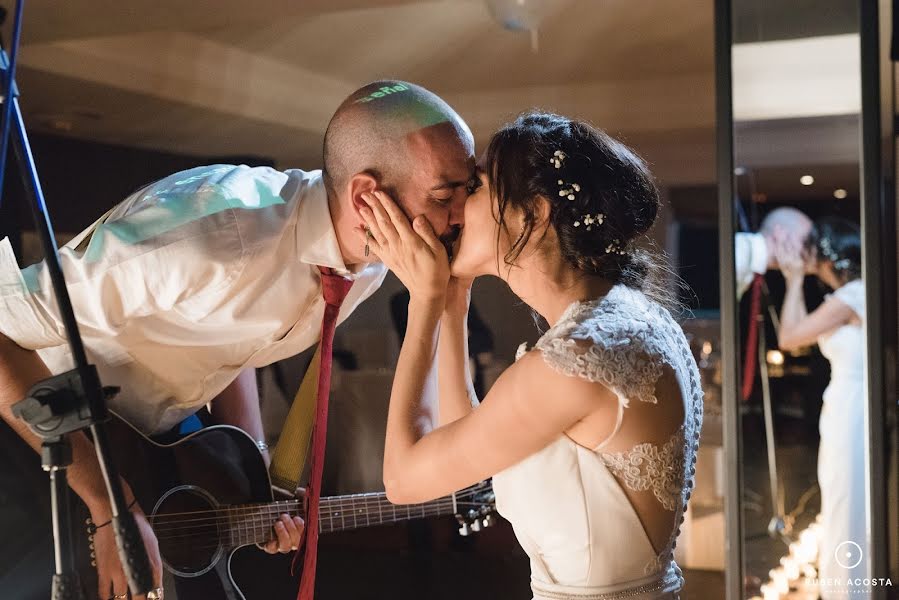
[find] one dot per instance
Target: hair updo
(607, 198)
(838, 241)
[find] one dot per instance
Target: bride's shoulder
(622, 314)
(622, 340)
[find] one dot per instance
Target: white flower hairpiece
(590, 220)
(568, 192)
(841, 264)
(557, 158)
(615, 248)
(831, 255)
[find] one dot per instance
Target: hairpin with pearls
(827, 250)
(830, 254)
(558, 158)
(615, 248)
(590, 220)
(568, 192)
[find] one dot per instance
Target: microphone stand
(71, 401)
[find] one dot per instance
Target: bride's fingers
(372, 225)
(397, 217)
(386, 226)
(369, 240)
(424, 229)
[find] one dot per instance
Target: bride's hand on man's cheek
(412, 251)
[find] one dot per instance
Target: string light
(799, 564)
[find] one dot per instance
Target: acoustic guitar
(208, 494)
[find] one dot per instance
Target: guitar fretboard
(366, 510)
(252, 523)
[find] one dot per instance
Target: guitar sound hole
(188, 525)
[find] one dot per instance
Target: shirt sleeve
(750, 257)
(154, 250)
(743, 260)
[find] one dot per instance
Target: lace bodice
(625, 342)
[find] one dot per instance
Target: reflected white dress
(566, 503)
(841, 453)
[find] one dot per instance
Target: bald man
(754, 251)
(191, 283)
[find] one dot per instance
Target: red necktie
(334, 290)
(752, 336)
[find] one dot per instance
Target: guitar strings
(341, 501)
(281, 508)
(240, 539)
(271, 515)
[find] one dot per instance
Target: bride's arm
(457, 395)
(528, 407)
(798, 328)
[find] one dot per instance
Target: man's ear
(360, 183)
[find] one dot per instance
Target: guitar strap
(290, 454)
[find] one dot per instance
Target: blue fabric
(190, 425)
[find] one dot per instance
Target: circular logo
(848, 555)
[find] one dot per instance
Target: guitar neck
(252, 523)
(339, 513)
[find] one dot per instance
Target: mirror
(796, 103)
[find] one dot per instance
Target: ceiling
(227, 77)
(219, 78)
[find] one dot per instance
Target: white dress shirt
(751, 257)
(186, 283)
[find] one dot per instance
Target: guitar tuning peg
(487, 521)
(475, 525)
(464, 530)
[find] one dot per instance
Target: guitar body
(212, 468)
(208, 498)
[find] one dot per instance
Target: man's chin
(451, 244)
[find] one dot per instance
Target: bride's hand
(413, 252)
(790, 259)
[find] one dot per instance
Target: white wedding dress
(841, 454)
(567, 503)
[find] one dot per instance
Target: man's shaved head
(368, 131)
(399, 138)
(785, 224)
(787, 218)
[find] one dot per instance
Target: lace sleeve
(622, 365)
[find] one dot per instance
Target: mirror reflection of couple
(829, 249)
(590, 437)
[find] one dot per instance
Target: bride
(591, 436)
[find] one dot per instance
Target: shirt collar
(316, 239)
(759, 261)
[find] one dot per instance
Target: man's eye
(472, 186)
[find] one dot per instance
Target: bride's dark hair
(839, 241)
(602, 197)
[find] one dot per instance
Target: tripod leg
(57, 456)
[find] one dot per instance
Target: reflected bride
(834, 254)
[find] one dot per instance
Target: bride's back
(601, 506)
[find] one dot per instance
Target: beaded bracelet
(92, 529)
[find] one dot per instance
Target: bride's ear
(542, 213)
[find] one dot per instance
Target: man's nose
(457, 212)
